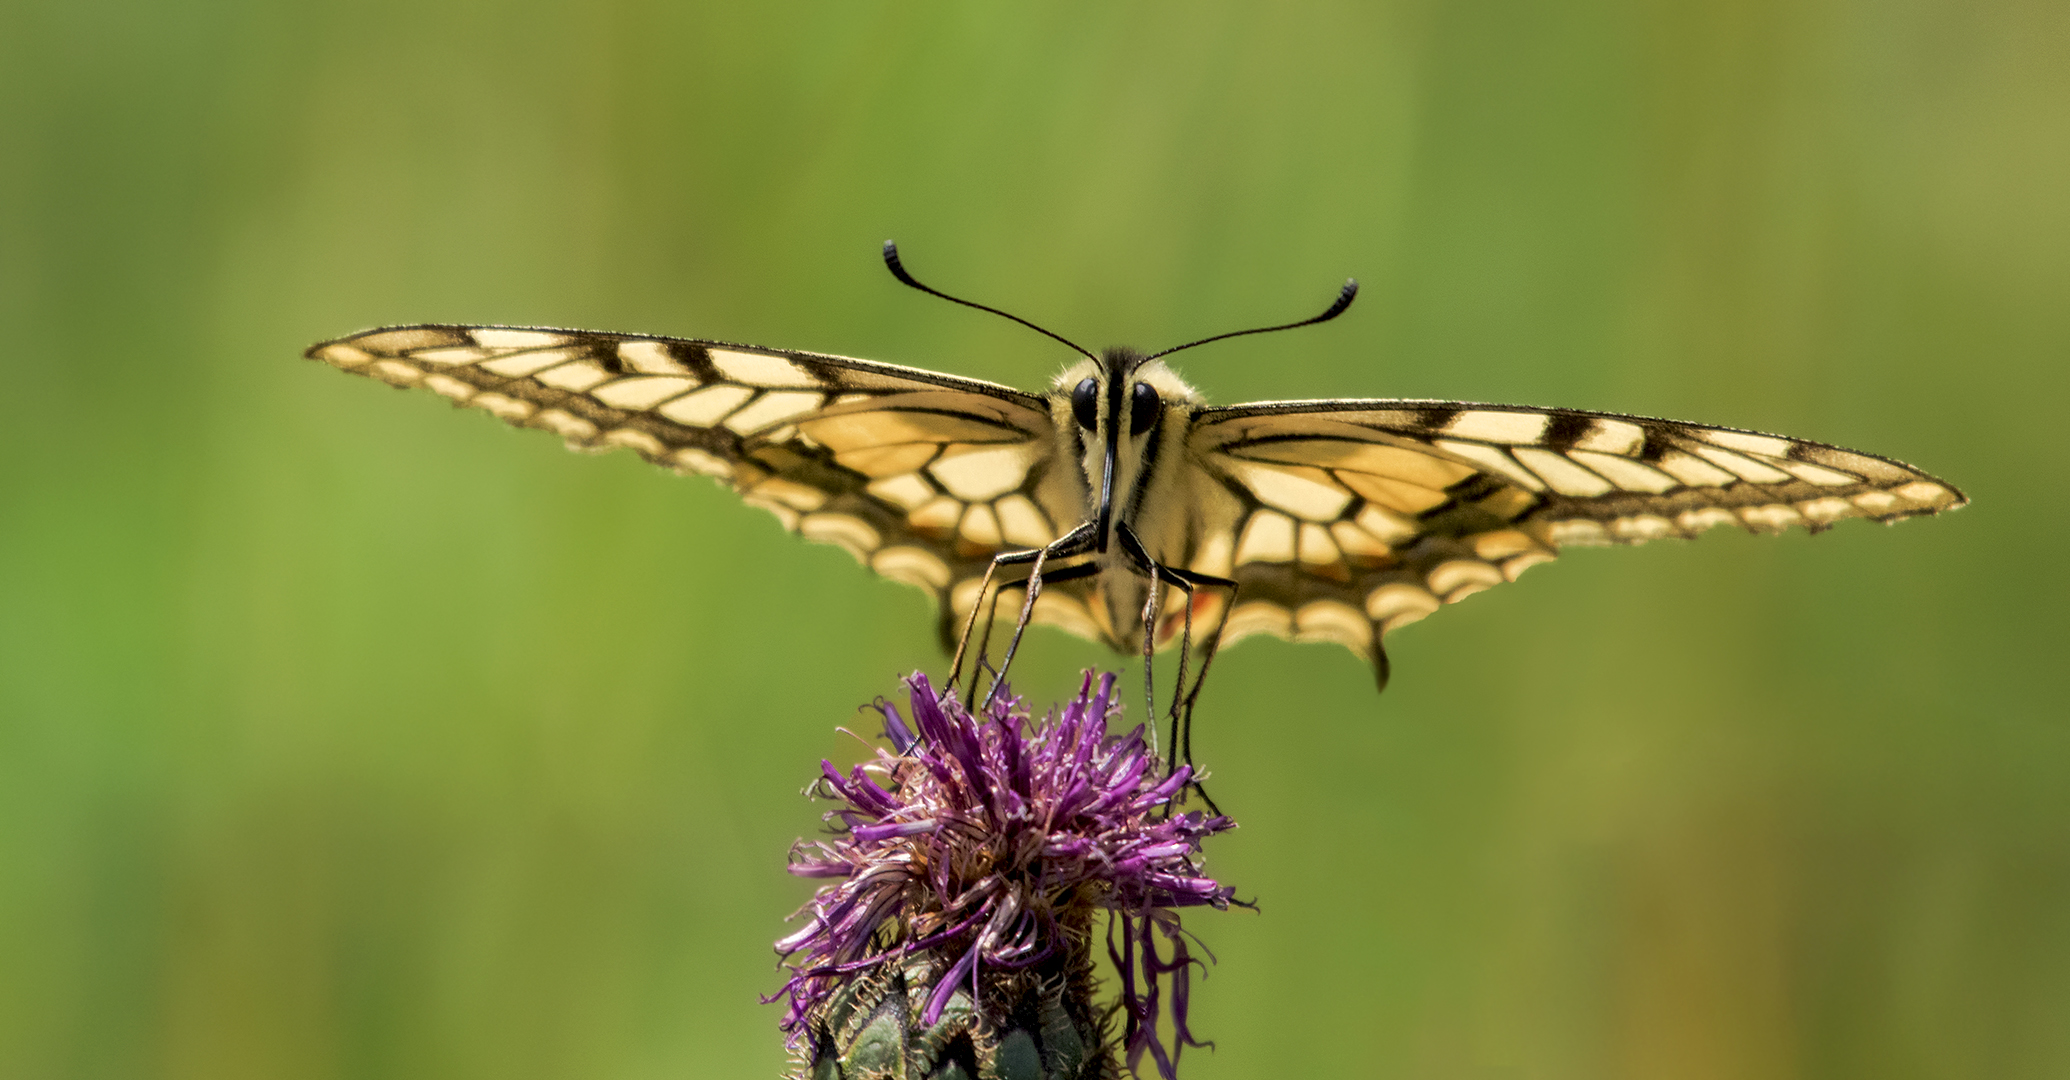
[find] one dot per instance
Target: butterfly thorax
(1123, 419)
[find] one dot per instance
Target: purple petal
(946, 988)
(896, 733)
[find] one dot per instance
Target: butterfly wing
(922, 477)
(1341, 520)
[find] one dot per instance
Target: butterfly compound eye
(1142, 408)
(1085, 404)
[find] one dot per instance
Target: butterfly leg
(956, 664)
(1139, 557)
(1185, 655)
(983, 663)
(1034, 583)
(1150, 612)
(1078, 541)
(1186, 581)
(1013, 644)
(1182, 716)
(1151, 631)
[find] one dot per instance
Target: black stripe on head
(1116, 403)
(1117, 367)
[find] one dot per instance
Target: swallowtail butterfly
(1332, 521)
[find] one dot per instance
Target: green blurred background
(343, 735)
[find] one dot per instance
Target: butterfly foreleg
(1034, 588)
(1183, 717)
(983, 663)
(1185, 581)
(1185, 654)
(1034, 584)
(963, 642)
(1150, 633)
(1150, 598)
(1140, 560)
(1072, 543)
(1078, 541)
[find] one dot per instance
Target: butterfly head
(1116, 406)
(1122, 394)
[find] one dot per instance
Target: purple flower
(990, 841)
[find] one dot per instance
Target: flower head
(988, 841)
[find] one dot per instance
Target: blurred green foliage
(345, 736)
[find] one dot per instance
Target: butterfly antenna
(1344, 299)
(898, 270)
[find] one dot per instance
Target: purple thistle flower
(987, 842)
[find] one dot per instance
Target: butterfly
(1332, 520)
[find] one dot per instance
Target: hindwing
(922, 477)
(1355, 517)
